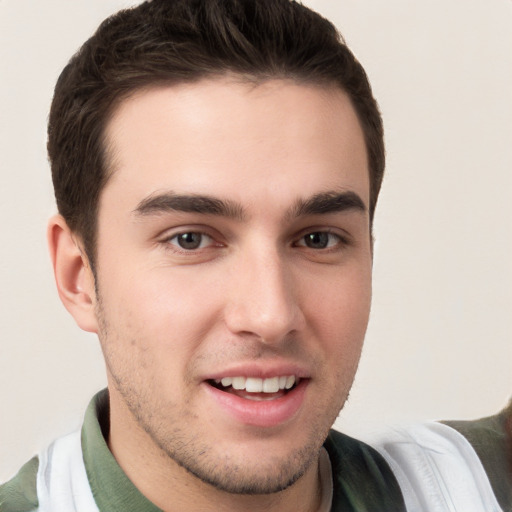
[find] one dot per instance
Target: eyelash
(172, 242)
(339, 240)
(177, 248)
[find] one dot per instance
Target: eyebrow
(327, 202)
(319, 204)
(191, 203)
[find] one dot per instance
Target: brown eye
(190, 241)
(319, 240)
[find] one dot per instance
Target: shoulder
(436, 465)
(20, 493)
(491, 438)
(362, 480)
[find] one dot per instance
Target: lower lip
(264, 413)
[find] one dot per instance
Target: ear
(73, 275)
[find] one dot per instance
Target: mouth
(258, 401)
(257, 389)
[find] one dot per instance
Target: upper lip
(260, 370)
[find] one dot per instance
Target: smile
(257, 385)
(263, 402)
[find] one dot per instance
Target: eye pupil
(317, 240)
(189, 240)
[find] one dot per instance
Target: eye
(191, 241)
(319, 240)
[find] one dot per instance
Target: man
(216, 166)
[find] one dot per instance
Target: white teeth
(271, 385)
(290, 381)
(239, 382)
(253, 385)
(257, 385)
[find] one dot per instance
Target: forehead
(230, 136)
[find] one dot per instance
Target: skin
(259, 294)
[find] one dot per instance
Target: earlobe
(73, 275)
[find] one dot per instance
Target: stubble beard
(220, 471)
(191, 452)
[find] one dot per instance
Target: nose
(262, 298)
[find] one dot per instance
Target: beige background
(440, 338)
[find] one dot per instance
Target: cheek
(160, 311)
(183, 299)
(338, 318)
(339, 312)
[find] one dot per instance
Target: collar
(111, 488)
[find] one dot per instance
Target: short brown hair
(177, 41)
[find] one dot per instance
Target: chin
(251, 477)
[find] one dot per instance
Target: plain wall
(439, 344)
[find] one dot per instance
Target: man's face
(233, 252)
